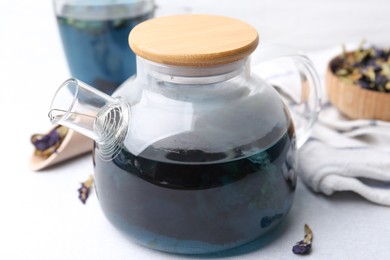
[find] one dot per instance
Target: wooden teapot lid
(193, 40)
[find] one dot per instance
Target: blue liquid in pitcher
(192, 201)
(97, 51)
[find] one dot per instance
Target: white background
(40, 214)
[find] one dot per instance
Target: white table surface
(40, 214)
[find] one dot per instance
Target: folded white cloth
(346, 155)
(353, 159)
(342, 154)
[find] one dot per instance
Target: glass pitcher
(195, 154)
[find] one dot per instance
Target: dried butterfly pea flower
(47, 144)
(381, 80)
(369, 68)
(303, 247)
(85, 189)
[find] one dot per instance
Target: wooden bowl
(356, 102)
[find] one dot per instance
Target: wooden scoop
(73, 145)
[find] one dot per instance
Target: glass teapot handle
(304, 104)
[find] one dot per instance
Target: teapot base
(188, 247)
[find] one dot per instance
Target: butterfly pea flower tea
(94, 35)
(195, 154)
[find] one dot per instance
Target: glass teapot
(194, 154)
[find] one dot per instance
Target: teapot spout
(92, 113)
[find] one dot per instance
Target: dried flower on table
(47, 144)
(85, 189)
(369, 68)
(303, 247)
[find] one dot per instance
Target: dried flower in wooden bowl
(358, 83)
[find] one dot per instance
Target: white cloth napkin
(348, 155)
(344, 154)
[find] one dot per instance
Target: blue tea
(191, 201)
(96, 44)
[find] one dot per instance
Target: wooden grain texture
(356, 102)
(193, 40)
